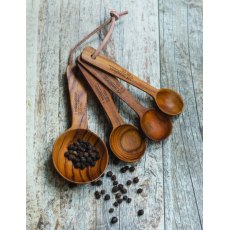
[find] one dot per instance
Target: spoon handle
(116, 70)
(104, 97)
(115, 86)
(78, 98)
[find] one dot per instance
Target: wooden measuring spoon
(78, 130)
(168, 101)
(155, 125)
(125, 140)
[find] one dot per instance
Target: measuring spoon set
(126, 141)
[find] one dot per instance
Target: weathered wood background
(161, 42)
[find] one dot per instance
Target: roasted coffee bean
(74, 153)
(81, 154)
(125, 197)
(93, 183)
(140, 212)
(96, 193)
(86, 164)
(140, 190)
(86, 155)
(102, 192)
(71, 157)
(66, 154)
(120, 186)
(99, 183)
(77, 165)
(115, 204)
(98, 197)
(114, 189)
(71, 147)
(135, 180)
(82, 166)
(92, 163)
(114, 220)
(123, 170)
(111, 210)
(129, 182)
(124, 190)
(132, 169)
(119, 201)
(107, 197)
(129, 200)
(126, 167)
(113, 177)
(118, 195)
(83, 159)
(116, 161)
(115, 182)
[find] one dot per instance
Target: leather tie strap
(114, 16)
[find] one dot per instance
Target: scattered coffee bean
(132, 169)
(129, 200)
(109, 174)
(99, 183)
(135, 180)
(111, 210)
(114, 189)
(113, 177)
(102, 192)
(119, 201)
(140, 190)
(118, 195)
(129, 182)
(93, 183)
(115, 204)
(98, 197)
(124, 190)
(107, 197)
(115, 182)
(116, 161)
(114, 220)
(125, 197)
(120, 186)
(123, 170)
(140, 212)
(96, 193)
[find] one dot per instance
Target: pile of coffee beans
(82, 154)
(118, 190)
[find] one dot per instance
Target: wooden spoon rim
(101, 141)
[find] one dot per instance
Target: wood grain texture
(159, 41)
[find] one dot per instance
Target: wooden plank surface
(159, 41)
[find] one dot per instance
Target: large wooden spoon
(78, 130)
(125, 140)
(155, 125)
(168, 101)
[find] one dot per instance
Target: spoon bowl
(169, 101)
(65, 167)
(156, 126)
(126, 141)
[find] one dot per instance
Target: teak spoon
(155, 125)
(168, 101)
(78, 130)
(125, 140)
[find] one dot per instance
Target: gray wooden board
(159, 41)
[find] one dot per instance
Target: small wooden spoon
(125, 140)
(168, 101)
(155, 125)
(78, 130)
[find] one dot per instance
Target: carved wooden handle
(116, 70)
(78, 98)
(115, 86)
(104, 97)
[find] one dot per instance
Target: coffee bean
(111, 210)
(77, 165)
(82, 166)
(125, 197)
(102, 192)
(135, 180)
(86, 164)
(114, 189)
(66, 154)
(107, 197)
(93, 183)
(96, 193)
(113, 177)
(123, 170)
(129, 200)
(124, 190)
(129, 182)
(109, 174)
(140, 190)
(116, 161)
(132, 169)
(115, 182)
(119, 201)
(140, 212)
(99, 183)
(115, 204)
(114, 220)
(83, 159)
(120, 186)
(118, 195)
(86, 154)
(71, 147)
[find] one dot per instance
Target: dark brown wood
(168, 101)
(156, 125)
(78, 129)
(125, 140)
